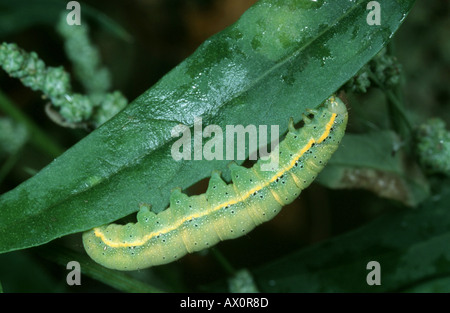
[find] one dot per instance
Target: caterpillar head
(335, 105)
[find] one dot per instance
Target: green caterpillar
(225, 211)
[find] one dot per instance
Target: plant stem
(37, 137)
(223, 261)
(396, 107)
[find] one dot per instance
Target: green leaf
(411, 247)
(280, 58)
(374, 161)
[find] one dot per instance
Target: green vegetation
(75, 153)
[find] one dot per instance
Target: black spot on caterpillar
(225, 211)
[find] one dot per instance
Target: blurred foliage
(433, 146)
(141, 44)
(95, 108)
(385, 70)
(370, 161)
(12, 136)
(242, 282)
